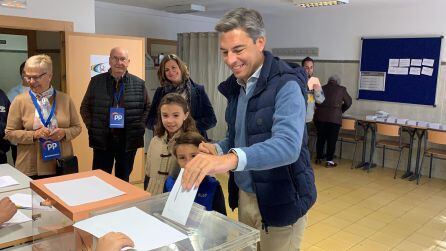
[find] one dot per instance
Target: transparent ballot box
(53, 218)
(206, 230)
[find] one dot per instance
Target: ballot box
(58, 202)
(205, 230)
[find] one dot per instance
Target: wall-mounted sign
(98, 64)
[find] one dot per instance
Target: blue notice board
(403, 70)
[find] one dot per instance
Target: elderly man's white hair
(335, 78)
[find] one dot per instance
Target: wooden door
(79, 48)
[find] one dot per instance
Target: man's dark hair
(307, 59)
(22, 66)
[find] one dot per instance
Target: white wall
(134, 21)
(80, 12)
(337, 31)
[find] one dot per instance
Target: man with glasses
(114, 109)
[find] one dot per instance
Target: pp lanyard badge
(50, 148)
(117, 114)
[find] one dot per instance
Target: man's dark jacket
(95, 110)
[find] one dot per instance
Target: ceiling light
(185, 8)
(21, 4)
(319, 3)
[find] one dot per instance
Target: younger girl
(173, 118)
(210, 193)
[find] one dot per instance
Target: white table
(8, 170)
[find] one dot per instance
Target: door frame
(33, 24)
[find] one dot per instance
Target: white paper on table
(415, 71)
(416, 62)
(394, 62)
(435, 126)
(84, 190)
(411, 122)
(22, 200)
(427, 71)
(18, 218)
(401, 121)
(146, 231)
(422, 124)
(404, 62)
(180, 202)
(428, 62)
(6, 181)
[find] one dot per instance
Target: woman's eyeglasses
(35, 78)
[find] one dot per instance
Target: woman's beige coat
(19, 129)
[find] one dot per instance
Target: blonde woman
(42, 121)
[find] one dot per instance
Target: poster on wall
(98, 64)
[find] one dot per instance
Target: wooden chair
(433, 140)
(395, 142)
(349, 134)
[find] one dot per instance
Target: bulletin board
(403, 70)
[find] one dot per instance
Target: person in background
(4, 110)
(20, 88)
(42, 121)
(328, 119)
(7, 209)
(174, 78)
(173, 118)
(272, 182)
(114, 110)
(210, 194)
(315, 93)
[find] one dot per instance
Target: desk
(413, 131)
(19, 233)
(7, 170)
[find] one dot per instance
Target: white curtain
(201, 52)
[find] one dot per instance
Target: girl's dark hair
(177, 99)
(187, 138)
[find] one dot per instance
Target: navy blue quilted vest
(284, 193)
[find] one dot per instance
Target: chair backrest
(348, 124)
(436, 137)
(388, 130)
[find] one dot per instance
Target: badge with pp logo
(117, 117)
(50, 149)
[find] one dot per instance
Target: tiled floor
(356, 210)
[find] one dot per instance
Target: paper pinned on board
(415, 71)
(394, 62)
(79, 191)
(146, 231)
(404, 62)
(416, 62)
(427, 71)
(428, 62)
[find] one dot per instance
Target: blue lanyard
(119, 94)
(39, 111)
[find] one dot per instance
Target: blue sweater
(282, 148)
